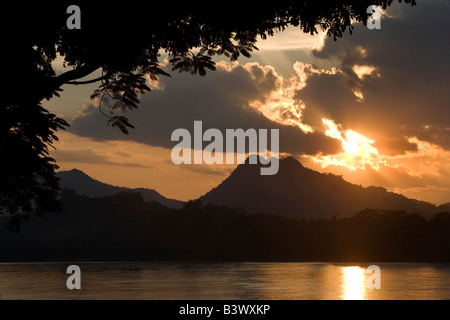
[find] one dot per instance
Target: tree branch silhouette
(125, 42)
(86, 82)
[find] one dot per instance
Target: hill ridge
(84, 184)
(297, 191)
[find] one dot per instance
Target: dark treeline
(124, 227)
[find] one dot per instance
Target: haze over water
(217, 281)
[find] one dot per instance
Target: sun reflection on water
(354, 283)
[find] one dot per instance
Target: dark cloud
(408, 89)
(221, 100)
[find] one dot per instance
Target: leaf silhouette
(120, 122)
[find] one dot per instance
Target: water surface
(169, 281)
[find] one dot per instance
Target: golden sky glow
(358, 151)
(136, 165)
(386, 132)
(363, 71)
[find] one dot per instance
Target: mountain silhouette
(124, 227)
(299, 192)
(83, 184)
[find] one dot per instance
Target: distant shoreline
(126, 228)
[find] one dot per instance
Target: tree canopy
(123, 44)
(124, 227)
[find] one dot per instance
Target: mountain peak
(288, 161)
(291, 162)
(83, 184)
(75, 172)
(297, 191)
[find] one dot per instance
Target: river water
(224, 281)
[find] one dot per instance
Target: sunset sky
(373, 106)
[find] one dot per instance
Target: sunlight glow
(293, 38)
(353, 284)
(358, 150)
(359, 95)
(281, 105)
(363, 71)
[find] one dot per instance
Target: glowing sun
(358, 150)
